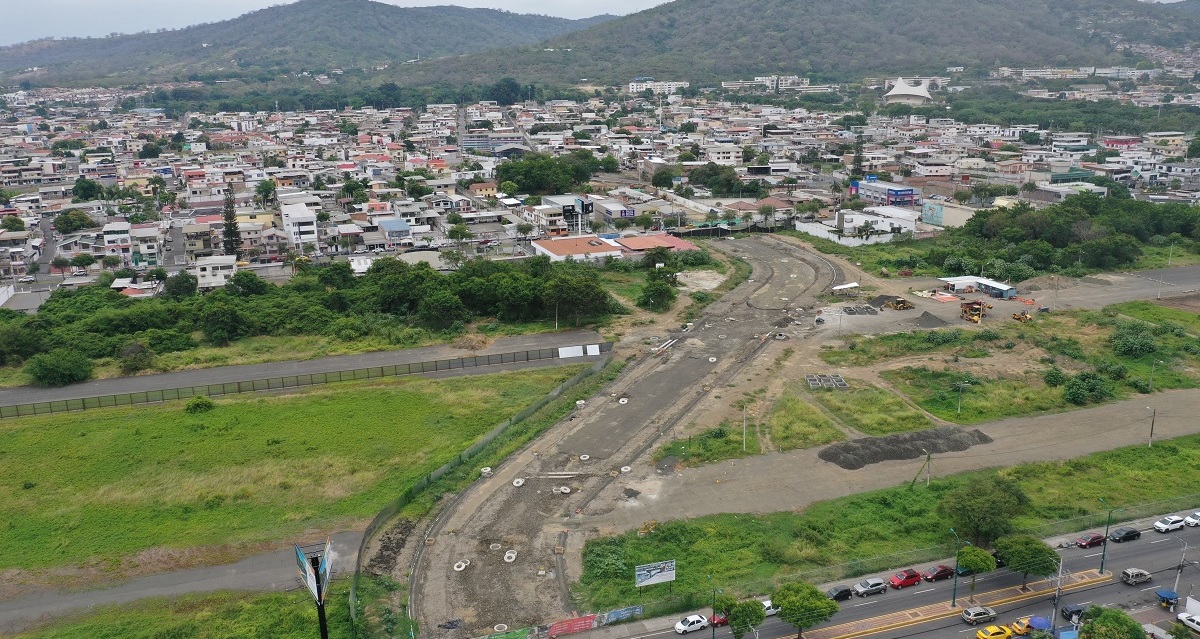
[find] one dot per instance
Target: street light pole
(1104, 544)
(957, 549)
(1179, 570)
(714, 607)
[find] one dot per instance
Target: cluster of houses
(412, 171)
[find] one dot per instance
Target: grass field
(871, 410)
(1151, 312)
(104, 485)
(722, 442)
(795, 423)
(984, 400)
(222, 615)
(879, 530)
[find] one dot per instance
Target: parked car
(994, 632)
(1135, 576)
(978, 614)
(770, 609)
(717, 619)
(1090, 539)
(839, 593)
(691, 623)
(1191, 621)
(938, 572)
(27, 279)
(1073, 612)
(1169, 523)
(906, 577)
(870, 586)
(1192, 519)
(1125, 534)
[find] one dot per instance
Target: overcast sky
(24, 20)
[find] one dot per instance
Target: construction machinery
(899, 304)
(1023, 317)
(973, 311)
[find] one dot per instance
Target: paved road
(226, 374)
(269, 571)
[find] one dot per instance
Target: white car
(1191, 621)
(1192, 520)
(770, 609)
(690, 623)
(1169, 523)
(27, 279)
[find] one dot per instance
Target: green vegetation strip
(109, 483)
(722, 442)
(878, 530)
(795, 423)
(983, 400)
(290, 615)
(871, 410)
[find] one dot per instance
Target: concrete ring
(518, 482)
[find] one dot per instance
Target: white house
(214, 271)
(299, 223)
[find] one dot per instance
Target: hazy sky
(25, 20)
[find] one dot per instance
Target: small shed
(970, 284)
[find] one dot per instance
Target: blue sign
(619, 615)
(872, 178)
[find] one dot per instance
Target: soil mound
(929, 320)
(859, 453)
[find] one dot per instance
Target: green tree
(110, 261)
(622, 223)
(158, 274)
(83, 260)
(645, 220)
(657, 296)
(802, 605)
(745, 615)
(180, 286)
(86, 190)
(664, 177)
(59, 367)
(61, 264)
(975, 560)
(264, 191)
(983, 510)
(454, 218)
(441, 309)
(72, 221)
(1027, 555)
(12, 223)
(150, 150)
(231, 237)
(135, 356)
(1110, 623)
(509, 188)
(723, 603)
(248, 284)
(524, 229)
(459, 233)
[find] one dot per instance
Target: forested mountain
(709, 40)
(309, 35)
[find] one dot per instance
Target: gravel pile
(929, 320)
(859, 453)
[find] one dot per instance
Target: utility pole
(1182, 562)
(1153, 414)
(1104, 544)
(743, 428)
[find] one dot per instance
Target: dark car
(1125, 534)
(1090, 539)
(1073, 612)
(718, 620)
(964, 571)
(938, 572)
(839, 593)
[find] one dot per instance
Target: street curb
(953, 613)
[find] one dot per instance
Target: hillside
(309, 35)
(710, 40)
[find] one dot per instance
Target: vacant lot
(104, 485)
(795, 423)
(871, 410)
(983, 399)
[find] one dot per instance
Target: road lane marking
(1095, 554)
(926, 590)
(865, 603)
(1158, 541)
(1150, 588)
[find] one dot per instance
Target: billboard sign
(656, 573)
(572, 626)
(306, 571)
(326, 567)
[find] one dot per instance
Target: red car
(906, 577)
(1089, 540)
(718, 620)
(938, 572)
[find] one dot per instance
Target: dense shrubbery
(393, 301)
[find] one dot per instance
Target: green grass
(866, 351)
(221, 615)
(626, 285)
(104, 485)
(722, 442)
(875, 256)
(985, 400)
(878, 530)
(1151, 312)
(795, 423)
(871, 410)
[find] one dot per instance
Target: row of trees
(551, 175)
(394, 302)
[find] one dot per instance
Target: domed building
(904, 92)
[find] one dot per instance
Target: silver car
(870, 586)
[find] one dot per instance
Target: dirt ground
(1190, 303)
